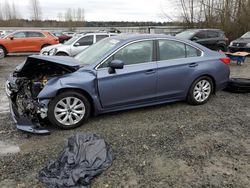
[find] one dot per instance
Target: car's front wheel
(69, 110)
(200, 91)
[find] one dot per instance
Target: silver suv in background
(75, 45)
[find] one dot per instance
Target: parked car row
(26, 41)
(47, 43)
(75, 45)
(215, 39)
(241, 44)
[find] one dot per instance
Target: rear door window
(171, 50)
(201, 35)
(100, 37)
(192, 52)
(212, 34)
(34, 34)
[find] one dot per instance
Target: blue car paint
(162, 86)
(136, 85)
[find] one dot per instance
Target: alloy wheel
(202, 91)
(69, 111)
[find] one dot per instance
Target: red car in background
(62, 37)
(26, 41)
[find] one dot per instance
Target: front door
(18, 42)
(82, 44)
(136, 83)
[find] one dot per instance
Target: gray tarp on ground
(84, 157)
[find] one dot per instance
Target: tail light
(225, 60)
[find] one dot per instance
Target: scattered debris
(238, 85)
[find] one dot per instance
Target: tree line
(232, 16)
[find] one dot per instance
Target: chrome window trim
(153, 39)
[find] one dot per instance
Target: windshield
(93, 53)
(246, 35)
(186, 34)
(72, 40)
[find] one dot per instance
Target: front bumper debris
(23, 123)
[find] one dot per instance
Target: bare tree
(233, 16)
(1, 11)
(68, 15)
(60, 16)
(7, 11)
(35, 8)
(80, 14)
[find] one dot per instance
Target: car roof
(42, 31)
(127, 38)
(132, 37)
(207, 29)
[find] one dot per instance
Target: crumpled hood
(63, 61)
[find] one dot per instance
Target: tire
(238, 85)
(61, 54)
(221, 48)
(200, 91)
(76, 115)
(4, 51)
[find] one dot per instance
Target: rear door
(136, 83)
(213, 39)
(176, 66)
(201, 38)
(35, 40)
(81, 44)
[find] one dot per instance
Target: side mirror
(195, 39)
(77, 44)
(11, 38)
(115, 64)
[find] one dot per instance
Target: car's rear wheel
(200, 91)
(69, 110)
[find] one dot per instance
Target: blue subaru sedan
(117, 73)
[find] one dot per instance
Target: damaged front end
(24, 85)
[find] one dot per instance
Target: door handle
(193, 64)
(151, 71)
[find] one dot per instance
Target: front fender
(77, 80)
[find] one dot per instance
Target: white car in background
(75, 45)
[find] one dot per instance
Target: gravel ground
(172, 145)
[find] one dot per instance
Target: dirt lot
(173, 145)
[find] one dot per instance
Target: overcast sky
(103, 10)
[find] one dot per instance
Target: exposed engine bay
(25, 84)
